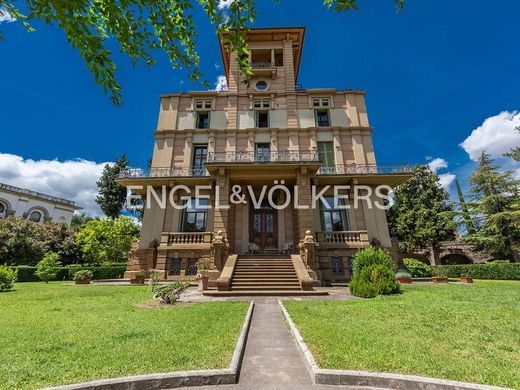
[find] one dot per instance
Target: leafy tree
(496, 205)
(79, 221)
(112, 196)
(421, 217)
(515, 152)
(7, 278)
(48, 267)
(141, 27)
(25, 242)
(107, 240)
(466, 216)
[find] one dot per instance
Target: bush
(403, 275)
(417, 268)
(83, 274)
(25, 242)
(107, 240)
(373, 280)
(28, 274)
(7, 278)
(371, 256)
(48, 267)
(170, 293)
(492, 271)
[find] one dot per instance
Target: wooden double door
(263, 228)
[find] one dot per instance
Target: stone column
(305, 218)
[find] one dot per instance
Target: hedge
(27, 274)
(491, 271)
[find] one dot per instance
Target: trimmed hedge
(27, 274)
(491, 271)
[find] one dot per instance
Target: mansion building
(258, 133)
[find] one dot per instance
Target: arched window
(3, 211)
(35, 216)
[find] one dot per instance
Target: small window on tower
(278, 57)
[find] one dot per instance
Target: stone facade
(35, 206)
(258, 134)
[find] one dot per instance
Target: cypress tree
(112, 196)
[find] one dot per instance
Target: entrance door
(263, 229)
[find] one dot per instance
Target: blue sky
(433, 74)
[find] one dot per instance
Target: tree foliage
(421, 217)
(495, 204)
(112, 196)
(107, 240)
(25, 242)
(515, 152)
(48, 267)
(142, 28)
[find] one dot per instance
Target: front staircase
(264, 273)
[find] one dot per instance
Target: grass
(469, 333)
(61, 333)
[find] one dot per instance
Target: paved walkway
(272, 360)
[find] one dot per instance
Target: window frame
(197, 119)
(187, 211)
(316, 113)
(332, 210)
(204, 104)
(257, 119)
(203, 159)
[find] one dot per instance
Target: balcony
(367, 169)
(186, 240)
(161, 172)
(342, 239)
(263, 69)
(281, 157)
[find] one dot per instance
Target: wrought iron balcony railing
(163, 172)
(283, 156)
(366, 169)
(261, 65)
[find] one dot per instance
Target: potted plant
(404, 278)
(440, 275)
(83, 276)
(138, 278)
(466, 279)
(202, 275)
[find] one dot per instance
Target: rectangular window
(278, 57)
(262, 152)
(326, 155)
(322, 118)
(202, 120)
(175, 266)
(261, 103)
(262, 119)
(192, 266)
(203, 104)
(320, 102)
(336, 265)
(194, 218)
(333, 219)
(198, 164)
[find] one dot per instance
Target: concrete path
(272, 360)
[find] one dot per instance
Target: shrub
(417, 268)
(48, 267)
(373, 280)
(170, 293)
(25, 242)
(28, 274)
(107, 240)
(491, 271)
(403, 275)
(7, 278)
(371, 256)
(83, 274)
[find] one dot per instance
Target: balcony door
(262, 152)
(200, 155)
(263, 228)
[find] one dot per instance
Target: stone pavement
(272, 360)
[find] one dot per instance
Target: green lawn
(61, 333)
(469, 333)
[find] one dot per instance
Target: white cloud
(437, 163)
(496, 136)
(446, 180)
(74, 179)
(225, 4)
(5, 16)
(221, 84)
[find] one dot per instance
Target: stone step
(262, 257)
(260, 288)
(263, 273)
(265, 279)
(262, 293)
(270, 283)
